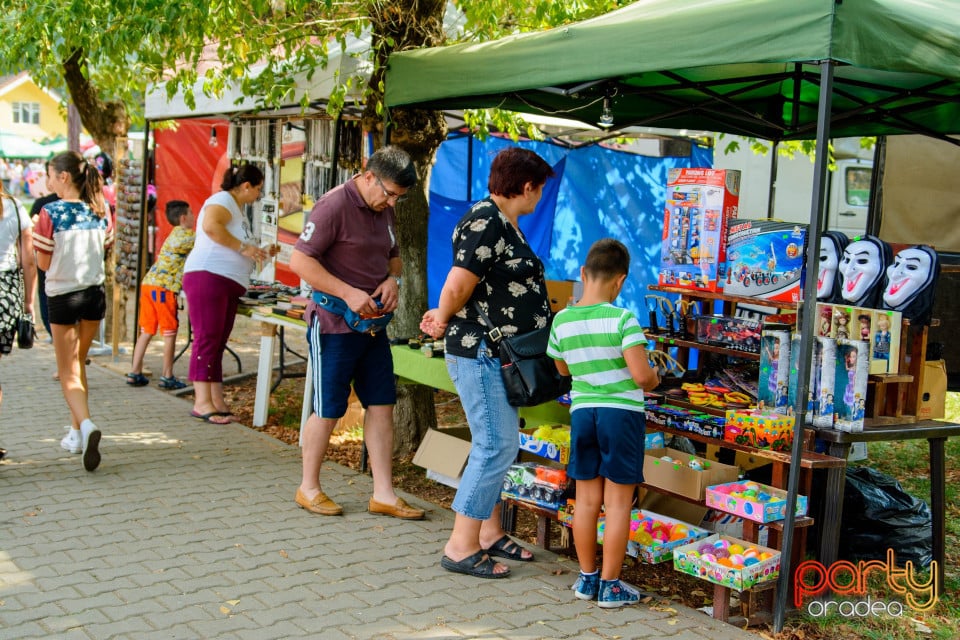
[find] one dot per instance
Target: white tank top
(210, 256)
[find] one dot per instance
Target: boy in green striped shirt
(603, 347)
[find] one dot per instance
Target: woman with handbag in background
(18, 272)
(494, 271)
(71, 237)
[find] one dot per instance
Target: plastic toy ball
(765, 556)
(736, 548)
(763, 497)
(750, 561)
(721, 544)
(644, 539)
(725, 562)
(695, 465)
(736, 559)
(705, 548)
(708, 557)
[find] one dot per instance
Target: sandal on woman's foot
(505, 547)
(137, 380)
(479, 565)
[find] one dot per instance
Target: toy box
(684, 474)
(774, 369)
(760, 429)
(699, 561)
(738, 334)
(753, 501)
(535, 483)
(842, 322)
(885, 341)
(850, 384)
(699, 205)
(653, 536)
(823, 409)
(765, 259)
(813, 384)
(552, 443)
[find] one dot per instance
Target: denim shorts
(607, 443)
(494, 429)
(341, 359)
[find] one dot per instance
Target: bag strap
(494, 334)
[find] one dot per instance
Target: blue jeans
(494, 427)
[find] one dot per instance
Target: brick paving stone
(183, 518)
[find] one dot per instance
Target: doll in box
(841, 323)
(864, 321)
(862, 268)
(832, 245)
(825, 323)
(881, 339)
(911, 283)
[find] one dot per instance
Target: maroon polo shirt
(352, 241)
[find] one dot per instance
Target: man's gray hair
(393, 164)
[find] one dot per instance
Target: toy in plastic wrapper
(824, 407)
(774, 369)
(850, 384)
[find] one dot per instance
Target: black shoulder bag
(529, 375)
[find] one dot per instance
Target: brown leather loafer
(321, 504)
(399, 510)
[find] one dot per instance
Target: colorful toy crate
(753, 501)
(689, 559)
(699, 204)
(760, 429)
(765, 259)
(557, 450)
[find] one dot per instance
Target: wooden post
(118, 315)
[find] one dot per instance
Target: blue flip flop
(209, 417)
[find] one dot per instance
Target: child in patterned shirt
(603, 347)
(158, 297)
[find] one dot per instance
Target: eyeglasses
(390, 195)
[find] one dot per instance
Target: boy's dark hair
(175, 210)
(607, 259)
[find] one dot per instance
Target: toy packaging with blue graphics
(699, 205)
(765, 259)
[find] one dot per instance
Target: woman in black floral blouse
(494, 267)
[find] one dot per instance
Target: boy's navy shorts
(607, 443)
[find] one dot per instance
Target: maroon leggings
(212, 302)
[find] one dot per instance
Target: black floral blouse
(511, 291)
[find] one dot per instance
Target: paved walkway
(189, 530)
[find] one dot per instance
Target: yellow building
(30, 111)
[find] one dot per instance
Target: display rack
(129, 198)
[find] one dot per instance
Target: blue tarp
(598, 192)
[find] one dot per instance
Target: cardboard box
(680, 478)
(850, 384)
(444, 453)
(764, 504)
(932, 403)
(544, 449)
(765, 259)
(687, 559)
(699, 205)
(774, 369)
(560, 294)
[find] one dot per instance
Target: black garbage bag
(879, 515)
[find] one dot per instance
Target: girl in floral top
(495, 268)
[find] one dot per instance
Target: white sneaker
(91, 445)
(72, 441)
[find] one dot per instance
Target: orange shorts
(158, 309)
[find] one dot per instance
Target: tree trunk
(106, 121)
(406, 24)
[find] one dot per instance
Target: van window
(857, 184)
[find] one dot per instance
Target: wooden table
(935, 432)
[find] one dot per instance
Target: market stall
(768, 69)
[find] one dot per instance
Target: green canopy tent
(799, 70)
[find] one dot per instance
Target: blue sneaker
(587, 585)
(614, 593)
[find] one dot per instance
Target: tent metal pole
(807, 331)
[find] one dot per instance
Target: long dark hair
(85, 178)
(236, 175)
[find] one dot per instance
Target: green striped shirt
(591, 340)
